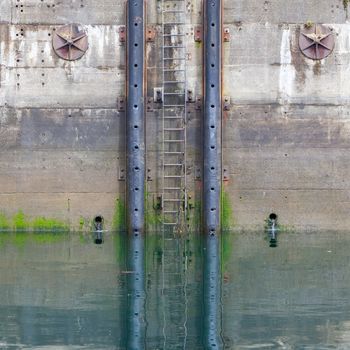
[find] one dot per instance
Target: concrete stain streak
(287, 71)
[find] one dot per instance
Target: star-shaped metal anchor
(316, 42)
(69, 42)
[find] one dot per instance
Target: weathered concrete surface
(286, 139)
(62, 12)
(61, 135)
(33, 76)
(277, 11)
(5, 11)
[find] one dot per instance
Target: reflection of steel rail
(136, 294)
(212, 116)
(135, 117)
(212, 294)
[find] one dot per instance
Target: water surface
(189, 292)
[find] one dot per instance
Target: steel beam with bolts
(135, 117)
(212, 117)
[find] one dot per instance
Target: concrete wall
(62, 138)
(285, 139)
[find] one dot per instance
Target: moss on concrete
(20, 222)
(194, 216)
(309, 24)
(81, 223)
(4, 223)
(153, 217)
(48, 224)
(345, 3)
(227, 222)
(153, 214)
(119, 217)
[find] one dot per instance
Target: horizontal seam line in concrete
(42, 24)
(105, 68)
(280, 149)
(284, 146)
(61, 108)
(276, 104)
(288, 189)
(240, 188)
(69, 192)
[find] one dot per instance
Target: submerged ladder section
(174, 86)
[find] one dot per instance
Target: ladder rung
(175, 35)
(173, 200)
(173, 23)
(174, 141)
(173, 164)
(174, 93)
(172, 188)
(170, 223)
(174, 11)
(173, 105)
(173, 47)
(172, 117)
(173, 82)
(174, 59)
(173, 152)
(174, 129)
(173, 70)
(173, 176)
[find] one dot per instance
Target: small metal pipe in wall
(212, 117)
(135, 116)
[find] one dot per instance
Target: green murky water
(65, 292)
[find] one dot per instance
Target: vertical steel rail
(212, 117)
(135, 116)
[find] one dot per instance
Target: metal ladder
(174, 113)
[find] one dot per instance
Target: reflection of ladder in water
(174, 186)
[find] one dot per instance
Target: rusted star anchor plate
(316, 42)
(70, 42)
